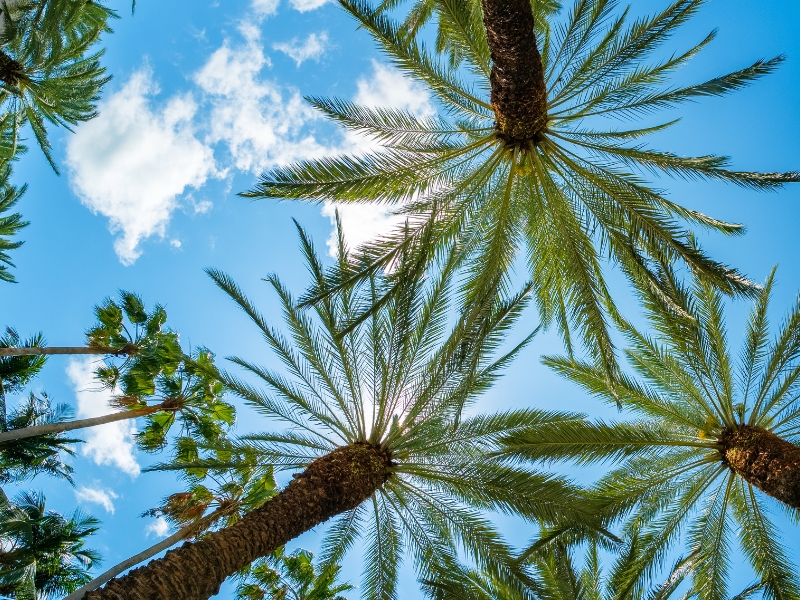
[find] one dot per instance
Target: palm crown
(704, 437)
(560, 577)
(291, 576)
(398, 382)
(570, 193)
(49, 71)
(43, 552)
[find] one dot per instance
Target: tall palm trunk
(51, 428)
(519, 96)
(128, 350)
(766, 461)
(331, 485)
(150, 552)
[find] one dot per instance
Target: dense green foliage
(43, 554)
(395, 344)
(291, 577)
(567, 199)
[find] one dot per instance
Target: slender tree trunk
(176, 537)
(331, 485)
(10, 70)
(51, 428)
(765, 461)
(36, 351)
(519, 95)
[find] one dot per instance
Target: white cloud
(306, 5)
(104, 498)
(133, 161)
(159, 528)
(264, 8)
(262, 124)
(387, 88)
(311, 49)
(109, 444)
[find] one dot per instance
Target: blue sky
(205, 95)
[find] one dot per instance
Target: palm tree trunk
(519, 95)
(131, 562)
(766, 461)
(331, 485)
(10, 70)
(37, 351)
(150, 552)
(51, 428)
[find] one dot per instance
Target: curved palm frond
(573, 198)
(691, 407)
(400, 380)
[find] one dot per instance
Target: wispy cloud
(306, 5)
(132, 162)
(103, 497)
(109, 444)
(261, 123)
(158, 528)
(312, 48)
(388, 88)
(264, 8)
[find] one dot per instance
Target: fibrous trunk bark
(11, 71)
(519, 95)
(51, 428)
(331, 485)
(766, 461)
(181, 534)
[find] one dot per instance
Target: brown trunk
(519, 96)
(765, 461)
(10, 70)
(331, 485)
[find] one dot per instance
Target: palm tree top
(294, 576)
(395, 384)
(573, 197)
(43, 552)
(709, 430)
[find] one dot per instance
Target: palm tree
(294, 576)
(155, 380)
(423, 11)
(558, 577)
(375, 423)
(707, 440)
(43, 554)
(496, 173)
(17, 371)
(49, 71)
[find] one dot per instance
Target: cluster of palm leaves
(575, 198)
(50, 75)
(149, 376)
(43, 552)
(386, 355)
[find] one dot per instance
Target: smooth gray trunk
(26, 432)
(57, 350)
